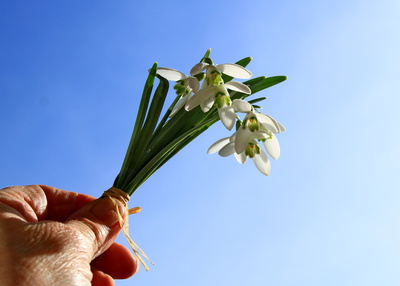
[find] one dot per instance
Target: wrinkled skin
(50, 236)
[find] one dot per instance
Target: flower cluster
(205, 87)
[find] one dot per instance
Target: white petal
(241, 158)
(228, 116)
(232, 138)
(272, 147)
(243, 136)
(262, 163)
(227, 150)
(267, 122)
(281, 127)
(261, 134)
(241, 105)
(221, 89)
(194, 84)
(234, 70)
(171, 74)
(218, 145)
(181, 102)
(238, 86)
(198, 68)
(199, 97)
(207, 104)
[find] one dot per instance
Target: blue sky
(70, 82)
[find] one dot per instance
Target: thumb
(99, 223)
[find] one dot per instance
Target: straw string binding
(115, 195)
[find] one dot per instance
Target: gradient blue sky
(71, 75)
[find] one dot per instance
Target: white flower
(226, 147)
(257, 122)
(215, 92)
(206, 97)
(256, 127)
(219, 96)
(184, 87)
(232, 70)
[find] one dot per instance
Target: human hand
(50, 236)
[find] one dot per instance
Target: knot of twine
(116, 195)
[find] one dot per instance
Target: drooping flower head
(244, 143)
(184, 87)
(215, 92)
(226, 147)
(254, 123)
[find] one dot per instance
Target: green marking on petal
(228, 101)
(216, 78)
(253, 124)
(251, 150)
(219, 101)
(257, 149)
(219, 94)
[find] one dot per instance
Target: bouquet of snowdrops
(204, 97)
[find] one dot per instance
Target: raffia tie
(116, 195)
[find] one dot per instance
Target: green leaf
(267, 82)
(146, 134)
(141, 114)
(155, 109)
(254, 81)
(169, 129)
(258, 84)
(175, 127)
(257, 100)
(166, 115)
(165, 154)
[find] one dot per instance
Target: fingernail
(105, 211)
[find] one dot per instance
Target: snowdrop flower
(184, 87)
(215, 92)
(256, 127)
(226, 147)
(219, 96)
(257, 122)
(232, 70)
(206, 97)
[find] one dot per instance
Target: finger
(99, 222)
(101, 279)
(35, 203)
(62, 204)
(117, 261)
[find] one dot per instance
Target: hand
(50, 236)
